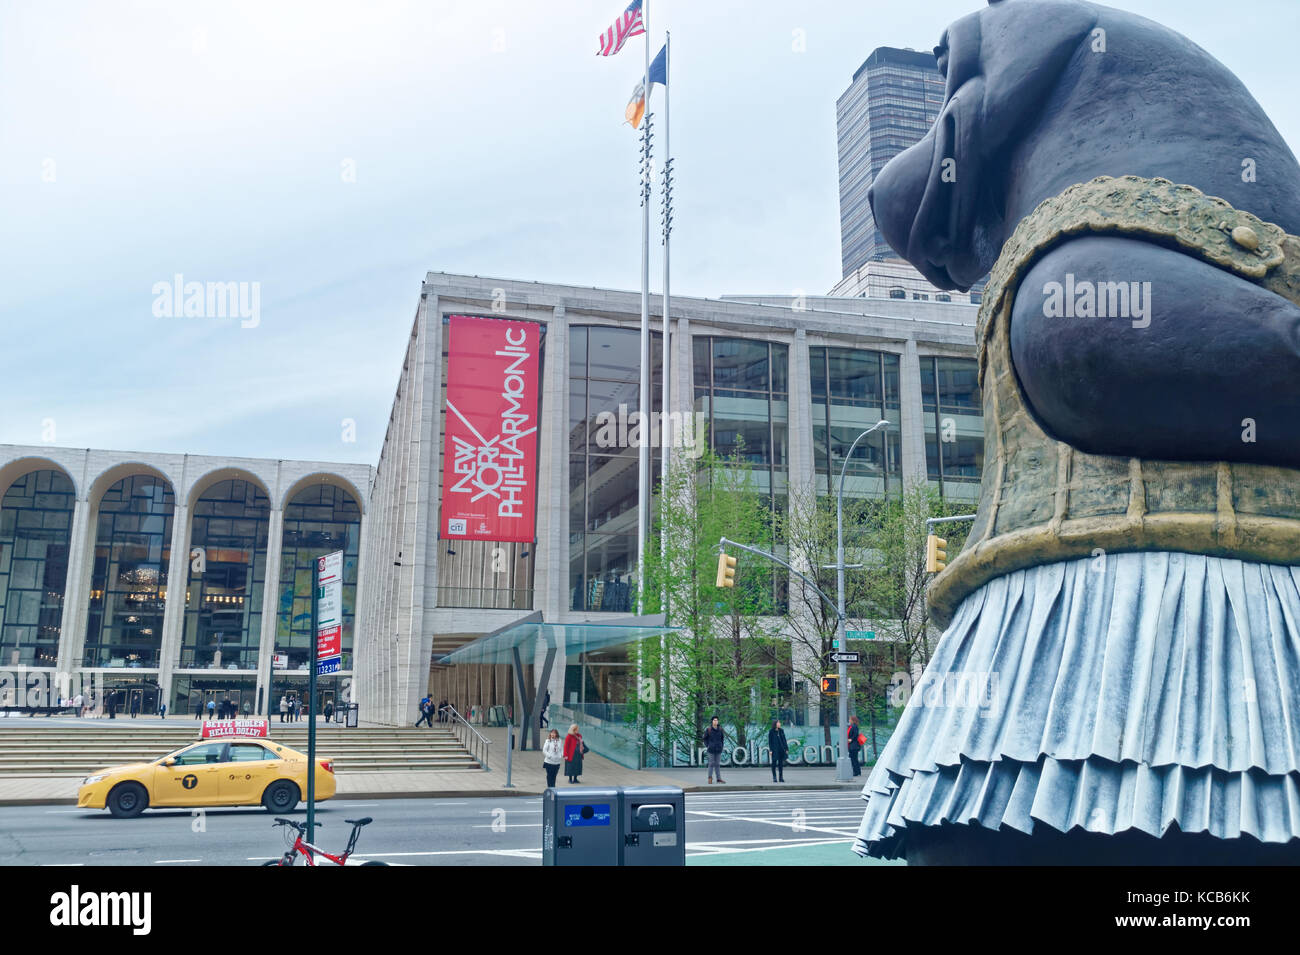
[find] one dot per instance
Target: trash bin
(653, 825)
(580, 826)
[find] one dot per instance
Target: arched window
(128, 588)
(35, 528)
(223, 605)
(319, 520)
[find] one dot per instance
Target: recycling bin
(580, 826)
(653, 825)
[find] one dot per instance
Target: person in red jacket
(574, 748)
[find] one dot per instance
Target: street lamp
(843, 768)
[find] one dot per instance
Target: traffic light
(830, 685)
(726, 570)
(936, 554)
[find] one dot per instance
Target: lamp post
(843, 769)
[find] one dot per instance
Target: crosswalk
(807, 818)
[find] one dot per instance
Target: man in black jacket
(713, 745)
(779, 748)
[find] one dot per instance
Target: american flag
(628, 25)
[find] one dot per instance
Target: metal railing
(475, 742)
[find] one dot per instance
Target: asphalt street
(482, 831)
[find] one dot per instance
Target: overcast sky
(333, 152)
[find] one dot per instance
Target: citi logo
(75, 908)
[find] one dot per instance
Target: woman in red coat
(574, 747)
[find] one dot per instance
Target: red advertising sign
(214, 728)
(489, 475)
(329, 642)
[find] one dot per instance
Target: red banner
(489, 473)
(215, 728)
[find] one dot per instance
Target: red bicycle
(302, 852)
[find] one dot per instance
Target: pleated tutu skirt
(1109, 694)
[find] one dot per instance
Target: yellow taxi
(212, 772)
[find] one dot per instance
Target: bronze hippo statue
(1127, 604)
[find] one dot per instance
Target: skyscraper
(892, 102)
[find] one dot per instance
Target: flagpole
(643, 459)
(665, 443)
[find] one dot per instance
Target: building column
(178, 579)
(76, 591)
(551, 555)
(358, 620)
(913, 417)
(800, 424)
(422, 520)
(270, 607)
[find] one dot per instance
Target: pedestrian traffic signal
(830, 685)
(726, 570)
(936, 554)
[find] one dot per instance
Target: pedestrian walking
(855, 745)
(284, 708)
(713, 740)
(426, 713)
(135, 705)
(162, 711)
(552, 757)
(79, 702)
(198, 708)
(545, 720)
(574, 750)
(329, 710)
(779, 748)
(212, 708)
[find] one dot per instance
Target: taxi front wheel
(280, 796)
(127, 800)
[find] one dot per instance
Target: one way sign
(845, 657)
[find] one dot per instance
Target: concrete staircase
(59, 748)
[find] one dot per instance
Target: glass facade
(742, 385)
(128, 589)
(223, 606)
(954, 426)
(604, 393)
(851, 391)
(317, 521)
(894, 99)
(35, 530)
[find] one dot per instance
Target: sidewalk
(527, 778)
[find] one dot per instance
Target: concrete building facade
(170, 578)
(796, 377)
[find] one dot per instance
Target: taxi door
(247, 773)
(194, 779)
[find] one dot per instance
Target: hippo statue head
(1041, 94)
(1044, 94)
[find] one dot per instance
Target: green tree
(720, 661)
